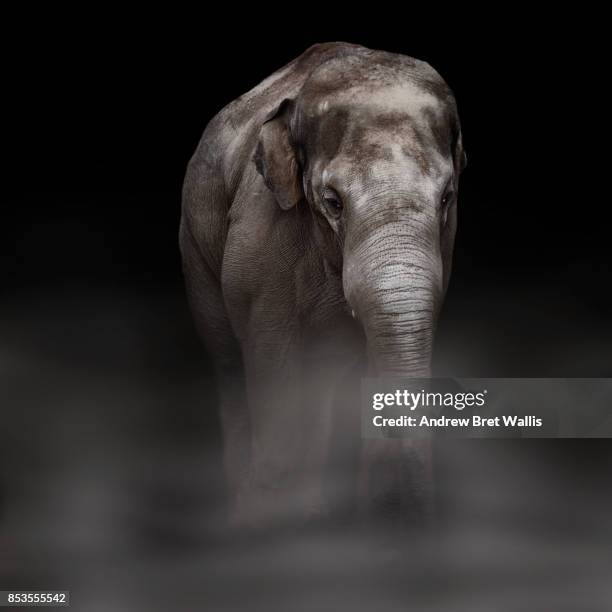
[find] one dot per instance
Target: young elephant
(317, 230)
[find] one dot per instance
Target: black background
(109, 441)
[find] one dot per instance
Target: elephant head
(372, 143)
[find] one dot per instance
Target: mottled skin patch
(274, 272)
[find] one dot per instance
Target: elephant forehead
(396, 114)
(394, 140)
(407, 99)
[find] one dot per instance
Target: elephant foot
(396, 484)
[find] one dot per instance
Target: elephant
(318, 222)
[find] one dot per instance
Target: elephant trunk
(393, 281)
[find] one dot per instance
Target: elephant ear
(460, 158)
(275, 157)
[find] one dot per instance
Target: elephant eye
(445, 205)
(447, 199)
(332, 202)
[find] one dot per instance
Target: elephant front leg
(290, 416)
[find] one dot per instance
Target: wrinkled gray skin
(291, 293)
